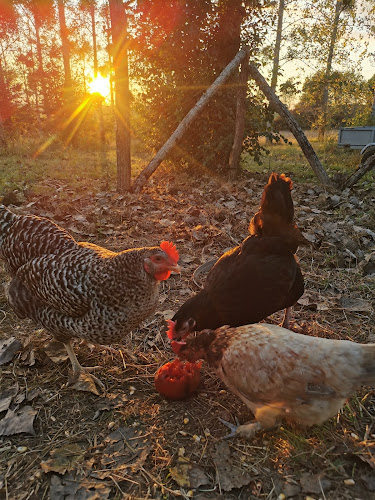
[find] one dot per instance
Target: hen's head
(180, 329)
(161, 262)
(194, 348)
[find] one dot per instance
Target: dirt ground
(129, 442)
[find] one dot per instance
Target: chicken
(255, 279)
(78, 289)
(280, 374)
(276, 211)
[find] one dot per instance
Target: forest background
(318, 56)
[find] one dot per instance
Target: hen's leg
(80, 371)
(247, 431)
(285, 323)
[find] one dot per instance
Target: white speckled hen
(78, 289)
(280, 374)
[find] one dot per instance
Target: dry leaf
(187, 474)
(127, 448)
(355, 304)
(230, 475)
(63, 459)
(79, 487)
(369, 480)
(8, 348)
(5, 403)
(314, 483)
(16, 422)
(56, 351)
(84, 382)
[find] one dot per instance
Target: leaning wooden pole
(292, 124)
(184, 124)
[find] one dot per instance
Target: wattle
(163, 275)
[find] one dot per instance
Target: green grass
(290, 159)
(21, 169)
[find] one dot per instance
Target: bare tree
(68, 87)
(120, 41)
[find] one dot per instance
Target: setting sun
(99, 85)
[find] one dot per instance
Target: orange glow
(100, 85)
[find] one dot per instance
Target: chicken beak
(175, 268)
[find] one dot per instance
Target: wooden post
(184, 124)
(292, 124)
(365, 167)
(234, 158)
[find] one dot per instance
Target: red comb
(170, 249)
(288, 180)
(170, 331)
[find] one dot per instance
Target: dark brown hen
(255, 279)
(78, 289)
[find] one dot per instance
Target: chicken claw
(233, 428)
(82, 379)
(246, 430)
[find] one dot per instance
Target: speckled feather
(74, 289)
(281, 374)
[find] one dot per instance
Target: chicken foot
(285, 323)
(247, 431)
(80, 372)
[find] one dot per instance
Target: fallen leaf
(127, 448)
(8, 348)
(78, 487)
(369, 480)
(310, 237)
(56, 351)
(5, 403)
(111, 401)
(355, 304)
(314, 483)
(84, 382)
(369, 269)
(230, 476)
(63, 459)
(16, 422)
(167, 314)
(187, 474)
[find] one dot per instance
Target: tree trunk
(187, 120)
(5, 102)
(120, 42)
(100, 103)
(68, 86)
(234, 159)
(276, 55)
(327, 73)
(292, 124)
(94, 46)
(40, 64)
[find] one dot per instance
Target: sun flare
(100, 85)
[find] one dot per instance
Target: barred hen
(78, 289)
(280, 374)
(256, 278)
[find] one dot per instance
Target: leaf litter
(125, 442)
